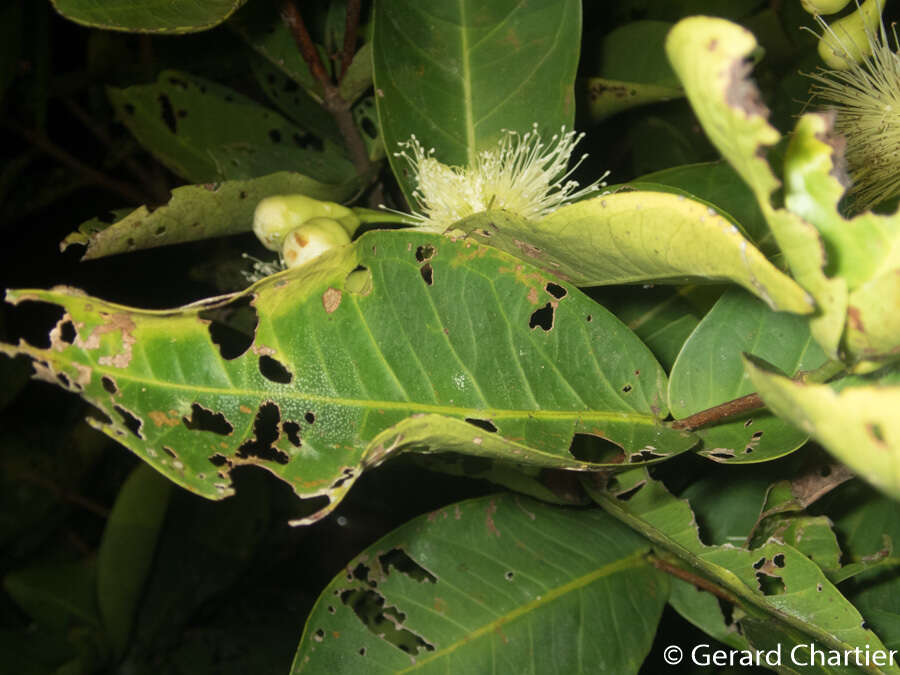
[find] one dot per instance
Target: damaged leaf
(447, 345)
(854, 418)
(737, 324)
(204, 131)
(629, 237)
(487, 582)
(710, 57)
(197, 212)
(784, 597)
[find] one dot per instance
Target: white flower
(866, 98)
(523, 176)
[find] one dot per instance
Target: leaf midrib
(636, 559)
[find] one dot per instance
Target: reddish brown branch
(350, 28)
(719, 412)
(332, 99)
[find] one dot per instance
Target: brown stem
(350, 28)
(126, 190)
(692, 579)
(719, 412)
(332, 99)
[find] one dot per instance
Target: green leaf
(718, 184)
(458, 74)
(619, 60)
(710, 58)
(710, 371)
(629, 237)
(856, 419)
(56, 595)
(126, 550)
(450, 346)
(196, 212)
(606, 97)
(786, 598)
(204, 131)
(148, 16)
(262, 28)
(496, 584)
(867, 523)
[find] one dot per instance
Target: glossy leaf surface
(148, 16)
(710, 371)
(499, 584)
(456, 74)
(629, 237)
(447, 346)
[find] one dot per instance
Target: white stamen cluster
(523, 175)
(866, 98)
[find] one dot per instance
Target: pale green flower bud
(824, 6)
(311, 240)
(848, 41)
(278, 215)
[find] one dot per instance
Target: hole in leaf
(424, 253)
(331, 609)
(292, 429)
(542, 317)
(556, 290)
(778, 559)
(644, 455)
(362, 651)
(759, 563)
(64, 380)
(756, 435)
(218, 460)
(368, 127)
(265, 429)
(360, 573)
(309, 417)
(487, 425)
(67, 332)
(819, 587)
(167, 113)
(203, 419)
(590, 317)
(509, 576)
(400, 561)
(232, 327)
(727, 610)
(130, 421)
(274, 370)
(383, 621)
(170, 452)
(748, 422)
(427, 273)
(347, 475)
(729, 454)
(628, 494)
(770, 585)
(595, 448)
(626, 388)
(319, 635)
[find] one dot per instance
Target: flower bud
(848, 40)
(311, 240)
(278, 215)
(824, 6)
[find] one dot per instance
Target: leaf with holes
(855, 418)
(204, 132)
(710, 57)
(786, 599)
(710, 371)
(628, 237)
(401, 341)
(197, 212)
(148, 16)
(487, 585)
(457, 74)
